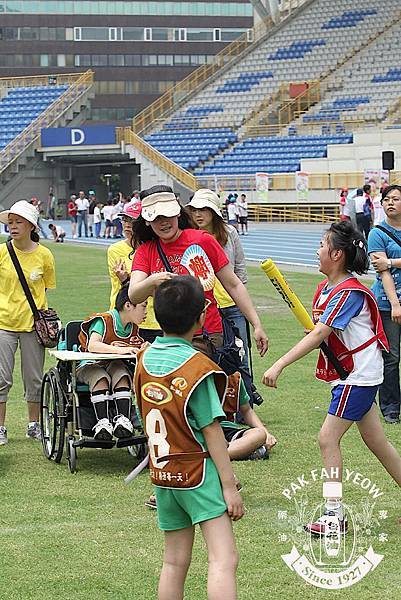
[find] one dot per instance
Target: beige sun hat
(24, 209)
(160, 204)
(205, 198)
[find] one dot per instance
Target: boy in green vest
(179, 393)
(111, 332)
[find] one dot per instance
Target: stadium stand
(274, 154)
(324, 40)
(28, 104)
(22, 106)
(362, 91)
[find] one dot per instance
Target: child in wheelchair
(114, 332)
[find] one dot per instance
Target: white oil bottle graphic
(334, 548)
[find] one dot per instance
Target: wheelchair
(66, 411)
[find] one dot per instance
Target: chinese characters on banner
(262, 187)
(302, 186)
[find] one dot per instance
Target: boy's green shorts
(178, 509)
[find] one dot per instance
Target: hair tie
(358, 243)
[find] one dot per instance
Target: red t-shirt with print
(194, 253)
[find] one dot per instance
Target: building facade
(137, 49)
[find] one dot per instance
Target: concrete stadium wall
(364, 153)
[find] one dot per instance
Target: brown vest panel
(230, 403)
(110, 335)
(176, 458)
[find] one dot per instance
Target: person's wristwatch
(389, 263)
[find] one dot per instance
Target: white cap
(24, 209)
(160, 204)
(205, 198)
(332, 489)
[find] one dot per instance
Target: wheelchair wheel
(138, 451)
(52, 423)
(71, 455)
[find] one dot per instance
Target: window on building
(8, 33)
(160, 34)
(94, 34)
(83, 60)
(116, 60)
(29, 33)
(199, 35)
(115, 34)
(180, 35)
(133, 34)
(132, 60)
(105, 7)
(229, 35)
(99, 60)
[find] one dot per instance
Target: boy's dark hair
(178, 304)
(51, 226)
(122, 297)
(388, 189)
(343, 236)
(366, 188)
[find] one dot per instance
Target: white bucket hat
(205, 198)
(22, 208)
(160, 204)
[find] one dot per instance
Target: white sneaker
(103, 430)
(33, 431)
(3, 436)
(74, 237)
(122, 427)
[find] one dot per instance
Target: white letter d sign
(77, 137)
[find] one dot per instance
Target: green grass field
(89, 536)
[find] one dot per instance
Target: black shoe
(392, 419)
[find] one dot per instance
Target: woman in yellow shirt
(119, 260)
(16, 318)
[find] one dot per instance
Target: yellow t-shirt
(116, 252)
(38, 268)
(223, 298)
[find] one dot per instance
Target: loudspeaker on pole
(388, 160)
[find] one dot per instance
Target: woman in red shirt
(72, 214)
(189, 252)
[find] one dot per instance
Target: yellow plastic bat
(289, 297)
(293, 302)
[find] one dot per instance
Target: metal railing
(313, 128)
(184, 177)
(312, 213)
(286, 181)
(77, 87)
(39, 80)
